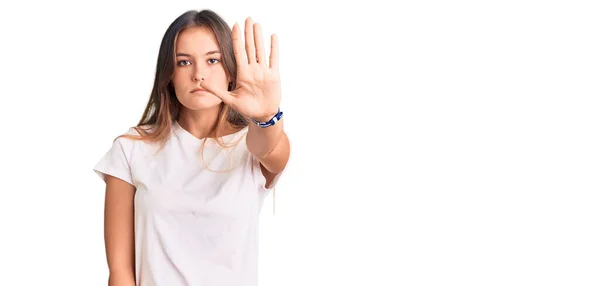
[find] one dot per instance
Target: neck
(199, 122)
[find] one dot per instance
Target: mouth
(198, 90)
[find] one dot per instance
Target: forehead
(195, 40)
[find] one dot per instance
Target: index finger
(238, 49)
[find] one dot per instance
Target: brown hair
(163, 107)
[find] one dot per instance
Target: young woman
(184, 187)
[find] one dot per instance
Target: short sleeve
(116, 162)
(260, 179)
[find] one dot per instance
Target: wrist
(264, 123)
(269, 122)
(267, 117)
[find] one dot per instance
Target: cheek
(219, 73)
(178, 76)
(179, 81)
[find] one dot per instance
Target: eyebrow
(188, 55)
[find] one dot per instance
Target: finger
(224, 95)
(249, 33)
(260, 48)
(274, 57)
(238, 48)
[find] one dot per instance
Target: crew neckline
(179, 129)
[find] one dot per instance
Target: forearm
(121, 266)
(270, 146)
(262, 141)
(121, 279)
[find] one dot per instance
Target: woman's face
(198, 56)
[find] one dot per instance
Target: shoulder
(134, 133)
(132, 138)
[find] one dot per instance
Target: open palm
(258, 88)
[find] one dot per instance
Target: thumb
(224, 95)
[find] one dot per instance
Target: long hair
(163, 107)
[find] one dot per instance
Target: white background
(433, 143)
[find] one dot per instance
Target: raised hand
(258, 88)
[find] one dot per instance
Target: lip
(198, 89)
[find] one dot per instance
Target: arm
(257, 95)
(118, 231)
(271, 147)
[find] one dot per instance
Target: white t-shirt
(193, 226)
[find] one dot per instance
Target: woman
(184, 188)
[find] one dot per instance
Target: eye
(213, 61)
(183, 63)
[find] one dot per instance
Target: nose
(197, 75)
